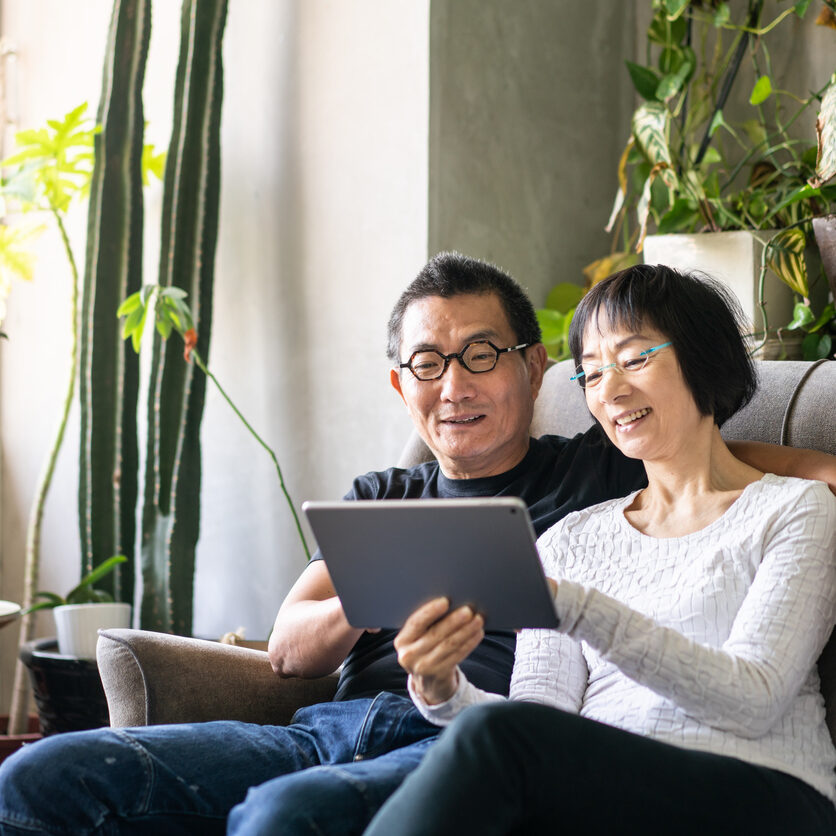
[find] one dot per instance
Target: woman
(680, 694)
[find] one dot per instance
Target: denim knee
(318, 800)
(42, 786)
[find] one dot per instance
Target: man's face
(475, 424)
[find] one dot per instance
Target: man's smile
(463, 420)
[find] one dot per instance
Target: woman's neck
(692, 489)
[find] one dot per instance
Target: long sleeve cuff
(443, 713)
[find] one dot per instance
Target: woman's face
(648, 414)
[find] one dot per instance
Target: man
(468, 364)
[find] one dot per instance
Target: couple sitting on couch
(681, 685)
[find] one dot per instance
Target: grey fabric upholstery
(156, 678)
(152, 678)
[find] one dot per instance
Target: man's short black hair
(452, 274)
(700, 316)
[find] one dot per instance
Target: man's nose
(457, 382)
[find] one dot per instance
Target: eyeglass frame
(459, 356)
(619, 367)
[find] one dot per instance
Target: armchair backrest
(795, 405)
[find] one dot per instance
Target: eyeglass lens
(591, 376)
(476, 357)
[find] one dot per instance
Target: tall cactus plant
(113, 266)
(171, 509)
(109, 374)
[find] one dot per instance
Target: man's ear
(395, 380)
(537, 360)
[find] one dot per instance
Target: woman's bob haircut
(700, 317)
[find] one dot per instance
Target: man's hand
(431, 644)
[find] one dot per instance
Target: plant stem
(755, 7)
(202, 366)
(20, 694)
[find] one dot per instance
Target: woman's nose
(614, 384)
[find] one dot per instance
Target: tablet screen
(387, 557)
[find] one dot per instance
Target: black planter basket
(68, 691)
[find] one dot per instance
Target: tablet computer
(387, 557)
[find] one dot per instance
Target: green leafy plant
(689, 166)
(84, 592)
(50, 171)
(169, 311)
(556, 317)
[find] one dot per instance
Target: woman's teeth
(633, 416)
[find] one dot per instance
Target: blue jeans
(328, 772)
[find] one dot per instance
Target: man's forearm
(787, 461)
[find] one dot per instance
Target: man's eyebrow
(484, 334)
(621, 343)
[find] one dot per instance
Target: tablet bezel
(386, 557)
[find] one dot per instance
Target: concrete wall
(529, 113)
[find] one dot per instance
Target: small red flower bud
(190, 339)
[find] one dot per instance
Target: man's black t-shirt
(557, 476)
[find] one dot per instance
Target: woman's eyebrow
(621, 343)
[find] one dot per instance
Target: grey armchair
(154, 678)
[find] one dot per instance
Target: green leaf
(136, 336)
(828, 314)
(801, 316)
(42, 605)
(644, 80)
(129, 305)
(60, 157)
(682, 217)
(817, 346)
(674, 8)
(722, 15)
(564, 296)
(785, 257)
(761, 91)
(650, 127)
(717, 122)
(131, 321)
(795, 196)
(147, 291)
(82, 591)
(800, 7)
(551, 324)
(51, 597)
(152, 164)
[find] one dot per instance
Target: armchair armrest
(151, 678)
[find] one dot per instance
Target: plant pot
(735, 259)
(77, 626)
(824, 228)
(10, 743)
(68, 692)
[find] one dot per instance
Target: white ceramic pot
(77, 626)
(735, 259)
